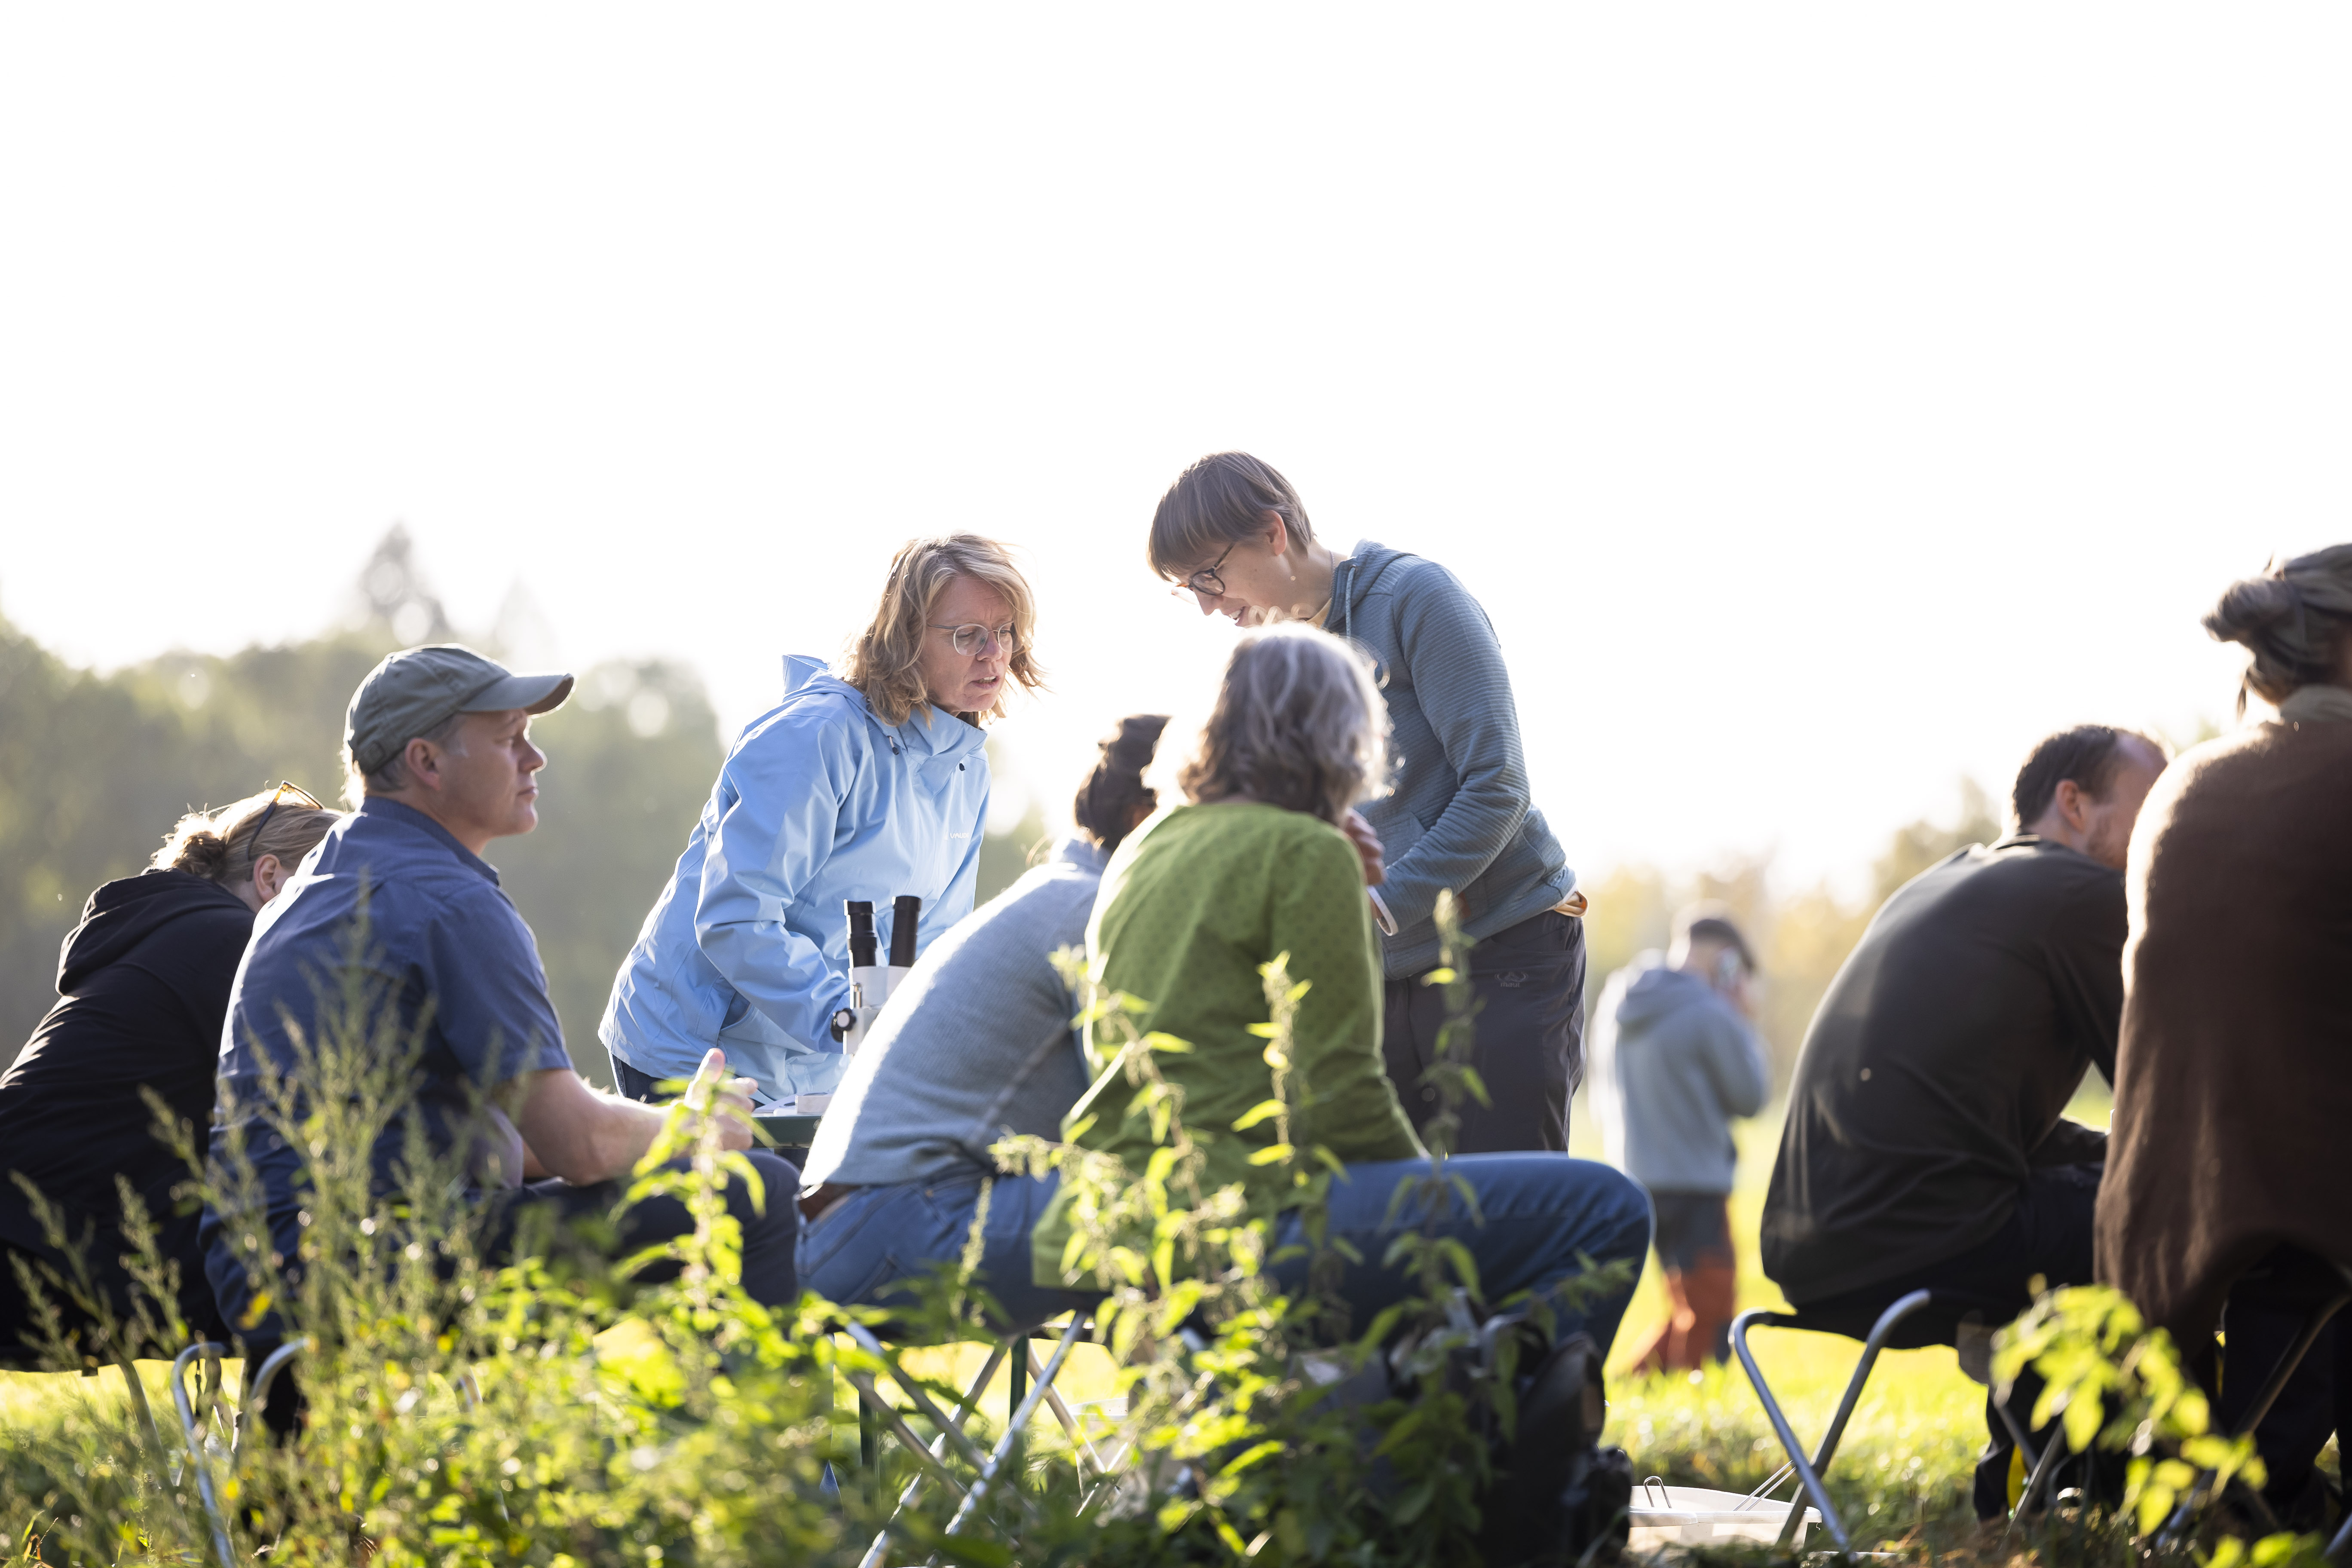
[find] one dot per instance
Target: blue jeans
(1541, 1212)
(864, 1249)
(1544, 1214)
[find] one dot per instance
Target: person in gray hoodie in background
(1676, 1058)
(1234, 535)
(976, 1043)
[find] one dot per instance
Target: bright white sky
(1824, 401)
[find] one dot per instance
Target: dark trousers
(579, 1215)
(580, 1227)
(177, 1240)
(636, 1085)
(559, 1221)
(2267, 1308)
(1528, 1043)
(2048, 1237)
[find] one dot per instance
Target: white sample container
(1664, 1516)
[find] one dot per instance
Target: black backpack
(1558, 1498)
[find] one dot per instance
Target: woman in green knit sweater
(1267, 857)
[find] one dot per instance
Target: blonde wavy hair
(1298, 723)
(885, 661)
(220, 845)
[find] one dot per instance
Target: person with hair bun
(143, 984)
(1255, 863)
(868, 782)
(975, 1044)
(2223, 1201)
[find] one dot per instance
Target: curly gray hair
(1298, 723)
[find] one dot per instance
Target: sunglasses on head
(275, 797)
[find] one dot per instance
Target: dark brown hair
(2292, 620)
(2087, 754)
(1220, 501)
(1107, 802)
(1713, 923)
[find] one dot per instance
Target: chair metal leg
(938, 1453)
(2039, 1481)
(2340, 1551)
(258, 1383)
(206, 1493)
(2017, 1433)
(923, 1403)
(1811, 1473)
(1081, 1449)
(1052, 1369)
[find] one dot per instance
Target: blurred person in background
(1675, 1060)
(869, 785)
(144, 984)
(979, 1043)
(1251, 865)
(1235, 535)
(2223, 1201)
(440, 762)
(1926, 1145)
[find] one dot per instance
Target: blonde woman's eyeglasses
(971, 639)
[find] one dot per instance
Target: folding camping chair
(1033, 1385)
(1900, 1327)
(196, 1411)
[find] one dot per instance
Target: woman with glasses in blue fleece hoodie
(865, 784)
(1234, 535)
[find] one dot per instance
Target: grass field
(1901, 1477)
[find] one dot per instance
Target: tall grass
(565, 1408)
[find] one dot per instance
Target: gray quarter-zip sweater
(1459, 816)
(974, 1043)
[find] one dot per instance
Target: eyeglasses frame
(1214, 572)
(1006, 637)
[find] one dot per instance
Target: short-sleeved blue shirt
(439, 930)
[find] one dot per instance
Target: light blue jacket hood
(818, 802)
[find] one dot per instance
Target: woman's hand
(729, 1099)
(1368, 847)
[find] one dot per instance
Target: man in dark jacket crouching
(1924, 1145)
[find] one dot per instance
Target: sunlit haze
(1824, 402)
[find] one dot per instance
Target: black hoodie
(144, 982)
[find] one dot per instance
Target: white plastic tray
(1664, 1516)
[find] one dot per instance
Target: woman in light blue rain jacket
(866, 784)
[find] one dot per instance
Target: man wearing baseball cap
(440, 762)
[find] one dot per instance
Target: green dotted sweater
(1191, 904)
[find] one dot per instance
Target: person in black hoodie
(143, 985)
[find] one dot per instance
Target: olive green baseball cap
(419, 689)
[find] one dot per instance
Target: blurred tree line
(96, 769)
(1800, 937)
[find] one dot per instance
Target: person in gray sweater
(1675, 1061)
(975, 1044)
(1234, 535)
